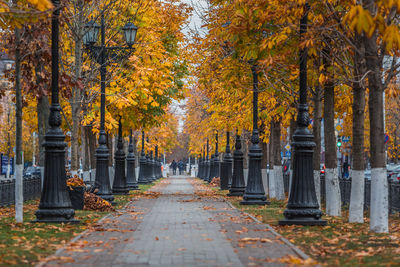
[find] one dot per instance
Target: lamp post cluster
(150, 167)
(55, 205)
(302, 207)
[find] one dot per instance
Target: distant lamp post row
(102, 55)
(150, 167)
(302, 207)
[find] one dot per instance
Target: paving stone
(174, 230)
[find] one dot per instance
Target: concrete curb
(284, 240)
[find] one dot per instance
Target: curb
(287, 242)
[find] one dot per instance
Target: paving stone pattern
(178, 228)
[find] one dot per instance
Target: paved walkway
(177, 228)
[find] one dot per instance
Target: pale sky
(195, 24)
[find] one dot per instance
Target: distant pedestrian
(181, 165)
(173, 166)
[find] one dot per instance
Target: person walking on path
(173, 166)
(181, 165)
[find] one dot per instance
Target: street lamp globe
(91, 32)
(130, 31)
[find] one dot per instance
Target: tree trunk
(264, 159)
(356, 209)
(278, 175)
(293, 126)
(333, 201)
(43, 109)
(379, 183)
(85, 149)
(19, 165)
(92, 147)
(317, 118)
(271, 174)
(75, 101)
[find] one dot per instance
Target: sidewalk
(175, 227)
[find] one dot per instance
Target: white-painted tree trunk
(19, 196)
(279, 187)
(8, 169)
(356, 209)
(264, 179)
(272, 183)
(111, 175)
(333, 201)
(42, 175)
(137, 172)
(317, 185)
(379, 201)
(246, 175)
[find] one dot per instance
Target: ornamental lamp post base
(254, 193)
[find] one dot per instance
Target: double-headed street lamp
(102, 54)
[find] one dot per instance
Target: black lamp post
(152, 167)
(55, 204)
(226, 166)
(119, 186)
(102, 54)
(254, 193)
(207, 163)
(142, 162)
(238, 186)
(130, 166)
(201, 164)
(216, 158)
(211, 173)
(303, 207)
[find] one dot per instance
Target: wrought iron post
(55, 205)
(208, 164)
(102, 180)
(142, 162)
(226, 166)
(216, 158)
(238, 186)
(152, 167)
(119, 186)
(130, 166)
(254, 193)
(303, 207)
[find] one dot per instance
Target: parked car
(32, 171)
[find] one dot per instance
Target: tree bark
(75, 101)
(19, 165)
(379, 183)
(356, 209)
(271, 176)
(317, 118)
(333, 200)
(43, 109)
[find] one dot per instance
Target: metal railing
(32, 188)
(345, 192)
